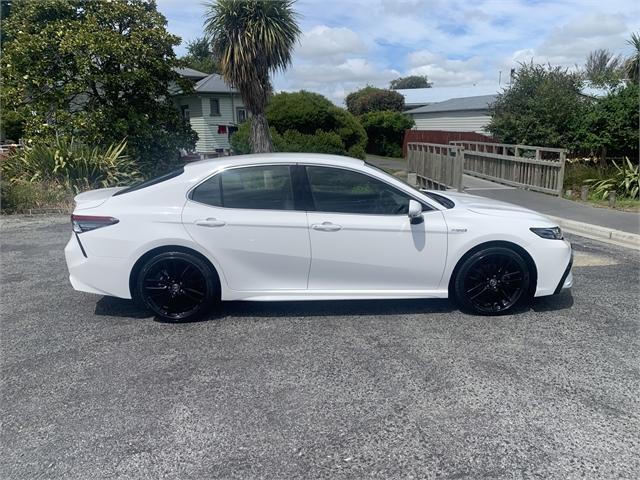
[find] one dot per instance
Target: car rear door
(363, 240)
(246, 218)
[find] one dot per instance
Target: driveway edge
(596, 232)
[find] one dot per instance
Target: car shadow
(118, 307)
(561, 301)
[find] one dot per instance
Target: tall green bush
(543, 106)
(385, 131)
(372, 99)
(307, 122)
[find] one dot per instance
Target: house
(463, 114)
(213, 108)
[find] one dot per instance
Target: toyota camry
(307, 227)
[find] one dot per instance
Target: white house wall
(205, 125)
(461, 121)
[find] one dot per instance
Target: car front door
(246, 218)
(363, 240)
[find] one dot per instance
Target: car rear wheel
(177, 286)
(492, 281)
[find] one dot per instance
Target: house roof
(213, 83)
(480, 102)
(190, 73)
(418, 97)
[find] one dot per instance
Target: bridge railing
(436, 166)
(439, 166)
(524, 166)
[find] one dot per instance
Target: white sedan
(307, 227)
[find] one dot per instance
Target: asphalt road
(95, 388)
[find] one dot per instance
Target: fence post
(560, 184)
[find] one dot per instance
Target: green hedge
(385, 131)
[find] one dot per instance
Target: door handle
(326, 227)
(210, 222)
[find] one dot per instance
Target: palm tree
(252, 38)
(632, 65)
(603, 68)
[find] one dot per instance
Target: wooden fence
(441, 137)
(436, 166)
(529, 167)
(525, 166)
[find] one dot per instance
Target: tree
(253, 38)
(544, 106)
(308, 122)
(372, 99)
(611, 124)
(385, 131)
(632, 64)
(99, 72)
(200, 56)
(412, 81)
(603, 69)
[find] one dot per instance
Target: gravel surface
(95, 388)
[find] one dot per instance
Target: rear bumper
(100, 275)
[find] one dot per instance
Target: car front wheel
(492, 281)
(177, 286)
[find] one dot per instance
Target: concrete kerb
(596, 232)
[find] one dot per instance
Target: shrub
(295, 118)
(371, 99)
(241, 140)
(320, 142)
(385, 131)
(625, 181)
(544, 106)
(73, 165)
(303, 111)
(23, 195)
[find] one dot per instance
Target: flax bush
(70, 164)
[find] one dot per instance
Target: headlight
(550, 233)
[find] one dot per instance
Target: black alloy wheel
(177, 286)
(492, 281)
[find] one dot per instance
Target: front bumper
(567, 277)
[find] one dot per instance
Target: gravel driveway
(95, 388)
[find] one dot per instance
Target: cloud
(349, 43)
(444, 72)
(323, 41)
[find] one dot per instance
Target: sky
(462, 46)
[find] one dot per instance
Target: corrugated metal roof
(480, 102)
(190, 73)
(213, 83)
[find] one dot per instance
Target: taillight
(84, 223)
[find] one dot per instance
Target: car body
(306, 227)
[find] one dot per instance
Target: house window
(214, 104)
(184, 109)
(241, 114)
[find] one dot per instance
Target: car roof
(211, 164)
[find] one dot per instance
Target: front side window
(344, 191)
(214, 107)
(264, 187)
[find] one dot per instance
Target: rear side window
(265, 187)
(151, 181)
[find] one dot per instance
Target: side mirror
(415, 212)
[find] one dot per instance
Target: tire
(492, 281)
(177, 286)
